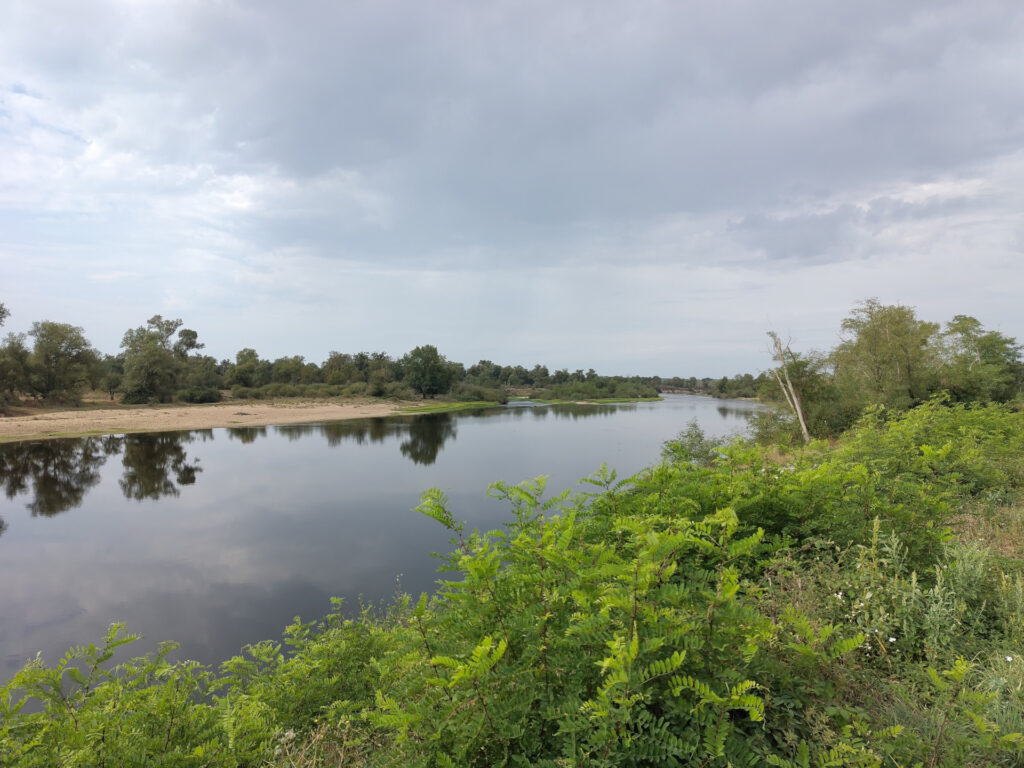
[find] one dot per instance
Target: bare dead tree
(784, 356)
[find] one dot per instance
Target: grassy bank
(852, 604)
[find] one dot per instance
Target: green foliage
(886, 357)
(203, 395)
(980, 365)
(693, 446)
(469, 393)
(889, 358)
(427, 371)
(722, 608)
(15, 365)
(597, 388)
(62, 361)
(152, 365)
(139, 713)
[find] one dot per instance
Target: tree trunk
(792, 396)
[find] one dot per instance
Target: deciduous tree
(62, 362)
(153, 362)
(979, 365)
(887, 356)
(427, 371)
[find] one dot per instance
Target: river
(218, 538)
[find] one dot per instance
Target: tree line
(887, 358)
(162, 361)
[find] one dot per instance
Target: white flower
(1009, 658)
(892, 639)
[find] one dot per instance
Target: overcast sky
(638, 187)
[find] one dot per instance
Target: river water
(218, 538)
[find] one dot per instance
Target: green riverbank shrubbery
(856, 604)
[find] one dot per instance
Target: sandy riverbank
(168, 418)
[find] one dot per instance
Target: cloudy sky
(638, 187)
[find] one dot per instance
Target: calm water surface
(218, 538)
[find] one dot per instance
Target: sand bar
(115, 421)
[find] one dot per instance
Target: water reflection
(55, 473)
(728, 412)
(577, 411)
(427, 435)
(363, 431)
(156, 464)
(246, 435)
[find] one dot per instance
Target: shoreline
(173, 418)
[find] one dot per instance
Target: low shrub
(199, 395)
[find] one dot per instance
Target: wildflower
(839, 595)
(892, 639)
(1009, 658)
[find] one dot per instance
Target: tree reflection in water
(246, 435)
(424, 435)
(156, 464)
(55, 473)
(427, 436)
(375, 430)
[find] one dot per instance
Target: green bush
(199, 395)
(469, 393)
(137, 398)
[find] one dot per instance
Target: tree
(288, 370)
(4, 313)
(887, 356)
(785, 358)
(153, 362)
(15, 362)
(113, 373)
(427, 371)
(188, 340)
(979, 365)
(62, 362)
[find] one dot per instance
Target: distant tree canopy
(887, 357)
(427, 371)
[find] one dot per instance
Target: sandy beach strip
(178, 417)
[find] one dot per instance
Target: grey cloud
(512, 120)
(273, 137)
